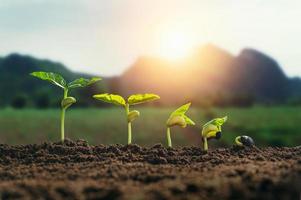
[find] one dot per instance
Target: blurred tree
(242, 100)
(42, 101)
(213, 75)
(19, 101)
(294, 101)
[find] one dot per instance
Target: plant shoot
(132, 100)
(67, 101)
(244, 140)
(212, 129)
(178, 118)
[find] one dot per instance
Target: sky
(105, 37)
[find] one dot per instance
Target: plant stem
(168, 137)
(127, 109)
(129, 133)
(237, 141)
(63, 124)
(205, 143)
(63, 117)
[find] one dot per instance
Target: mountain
(262, 76)
(17, 85)
(210, 74)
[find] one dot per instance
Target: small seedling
(67, 101)
(132, 100)
(212, 129)
(244, 140)
(178, 118)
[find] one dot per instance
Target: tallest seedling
(132, 100)
(67, 101)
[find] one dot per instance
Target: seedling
(212, 129)
(67, 101)
(132, 100)
(178, 118)
(244, 140)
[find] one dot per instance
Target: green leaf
(142, 98)
(188, 120)
(51, 77)
(178, 117)
(181, 110)
(217, 121)
(110, 98)
(82, 82)
(223, 120)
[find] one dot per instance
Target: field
(103, 169)
(273, 126)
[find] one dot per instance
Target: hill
(210, 75)
(16, 85)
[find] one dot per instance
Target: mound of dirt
(76, 170)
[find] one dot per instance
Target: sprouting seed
(212, 129)
(67, 101)
(178, 118)
(132, 100)
(244, 140)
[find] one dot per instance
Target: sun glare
(175, 45)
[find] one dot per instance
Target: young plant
(67, 101)
(244, 140)
(132, 100)
(178, 118)
(212, 129)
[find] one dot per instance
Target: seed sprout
(132, 100)
(244, 140)
(178, 118)
(212, 129)
(67, 101)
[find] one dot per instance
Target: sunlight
(175, 45)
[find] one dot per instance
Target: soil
(75, 170)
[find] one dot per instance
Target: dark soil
(75, 170)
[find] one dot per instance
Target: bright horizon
(106, 37)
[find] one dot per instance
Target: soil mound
(76, 170)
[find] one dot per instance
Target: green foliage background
(273, 126)
(17, 84)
